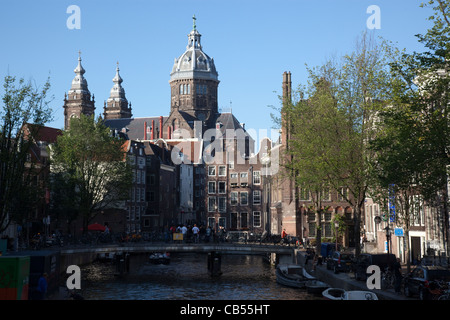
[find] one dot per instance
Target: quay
(345, 280)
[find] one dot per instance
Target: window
(244, 220)
(222, 171)
(223, 222)
(234, 220)
(234, 198)
(201, 89)
(304, 194)
(256, 177)
(312, 229)
(222, 204)
(211, 187)
(244, 176)
(233, 175)
(211, 171)
(256, 219)
(343, 194)
(326, 195)
(211, 204)
(257, 197)
(244, 198)
(212, 222)
(328, 230)
(222, 187)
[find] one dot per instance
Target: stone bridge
(83, 255)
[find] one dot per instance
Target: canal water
(186, 278)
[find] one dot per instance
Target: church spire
(79, 83)
(78, 101)
(117, 106)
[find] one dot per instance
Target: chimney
(153, 129)
(145, 130)
(161, 126)
(286, 85)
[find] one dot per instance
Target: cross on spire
(194, 25)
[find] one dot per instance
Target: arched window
(181, 89)
(188, 89)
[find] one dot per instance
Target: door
(415, 249)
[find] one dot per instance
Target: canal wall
(344, 280)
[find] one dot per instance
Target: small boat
(341, 294)
(333, 293)
(106, 256)
(160, 258)
(292, 275)
(316, 286)
(359, 295)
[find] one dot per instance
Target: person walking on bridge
(196, 233)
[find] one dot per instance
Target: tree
(94, 165)
(333, 122)
(22, 103)
(414, 152)
(397, 168)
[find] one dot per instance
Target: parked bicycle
(387, 279)
(445, 291)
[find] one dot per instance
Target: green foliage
(22, 103)
(93, 163)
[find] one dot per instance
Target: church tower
(78, 101)
(117, 107)
(193, 86)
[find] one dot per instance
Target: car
(364, 260)
(422, 280)
(340, 261)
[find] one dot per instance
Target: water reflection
(187, 278)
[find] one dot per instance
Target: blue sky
(252, 43)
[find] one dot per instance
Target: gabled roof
(135, 128)
(41, 133)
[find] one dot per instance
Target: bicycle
(445, 292)
(387, 279)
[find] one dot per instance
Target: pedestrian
(398, 275)
(195, 231)
(184, 232)
(208, 234)
(307, 256)
(42, 287)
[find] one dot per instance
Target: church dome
(194, 63)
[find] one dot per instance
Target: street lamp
(388, 237)
(336, 226)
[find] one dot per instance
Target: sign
(391, 203)
(178, 236)
(399, 232)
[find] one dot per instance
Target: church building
(226, 173)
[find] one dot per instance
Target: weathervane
(194, 18)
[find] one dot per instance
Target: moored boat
(359, 295)
(292, 275)
(341, 294)
(316, 286)
(160, 258)
(333, 293)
